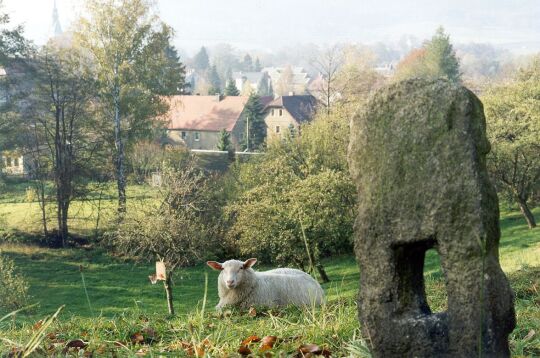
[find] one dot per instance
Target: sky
(274, 24)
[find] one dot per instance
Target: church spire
(56, 27)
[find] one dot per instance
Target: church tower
(56, 27)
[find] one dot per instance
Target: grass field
(127, 314)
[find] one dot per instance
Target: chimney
(218, 97)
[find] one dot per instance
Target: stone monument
(417, 154)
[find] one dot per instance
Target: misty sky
(272, 24)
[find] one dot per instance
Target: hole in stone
(435, 287)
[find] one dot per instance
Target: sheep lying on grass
(240, 286)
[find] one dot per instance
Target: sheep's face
(232, 271)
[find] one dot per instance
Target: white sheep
(240, 286)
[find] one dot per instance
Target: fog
(270, 25)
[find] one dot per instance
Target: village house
(196, 121)
(255, 82)
(287, 112)
(288, 79)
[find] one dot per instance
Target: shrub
(13, 286)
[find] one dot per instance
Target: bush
(13, 286)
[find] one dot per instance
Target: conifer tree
(200, 61)
(256, 127)
(231, 89)
(440, 57)
(215, 81)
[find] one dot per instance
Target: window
(197, 136)
(272, 112)
(277, 129)
(280, 112)
(183, 135)
(8, 162)
(16, 162)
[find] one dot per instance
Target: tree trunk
(119, 144)
(41, 197)
(527, 213)
(322, 273)
(168, 290)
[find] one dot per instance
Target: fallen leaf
(38, 325)
(267, 343)
(252, 312)
(137, 337)
(244, 350)
(307, 350)
(529, 335)
(250, 339)
(77, 343)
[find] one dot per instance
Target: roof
(301, 107)
(204, 113)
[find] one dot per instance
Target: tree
(129, 48)
(357, 79)
(255, 125)
(285, 83)
(224, 141)
(411, 65)
(64, 91)
(247, 64)
(328, 64)
(14, 48)
(265, 87)
(231, 89)
(513, 123)
(297, 200)
(436, 59)
(257, 66)
(440, 57)
(214, 80)
(201, 62)
(179, 226)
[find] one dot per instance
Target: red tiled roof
(204, 113)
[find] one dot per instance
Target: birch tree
(130, 46)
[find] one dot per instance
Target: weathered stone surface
(417, 154)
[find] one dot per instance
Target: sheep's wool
(279, 287)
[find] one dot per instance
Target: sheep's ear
(215, 265)
(249, 262)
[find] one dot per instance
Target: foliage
(13, 286)
(247, 63)
(285, 84)
(231, 89)
(254, 117)
(513, 121)
(257, 66)
(440, 57)
(435, 59)
(178, 227)
(299, 190)
(147, 157)
(214, 80)
(131, 51)
(63, 134)
(224, 141)
(201, 62)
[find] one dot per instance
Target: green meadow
(110, 304)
